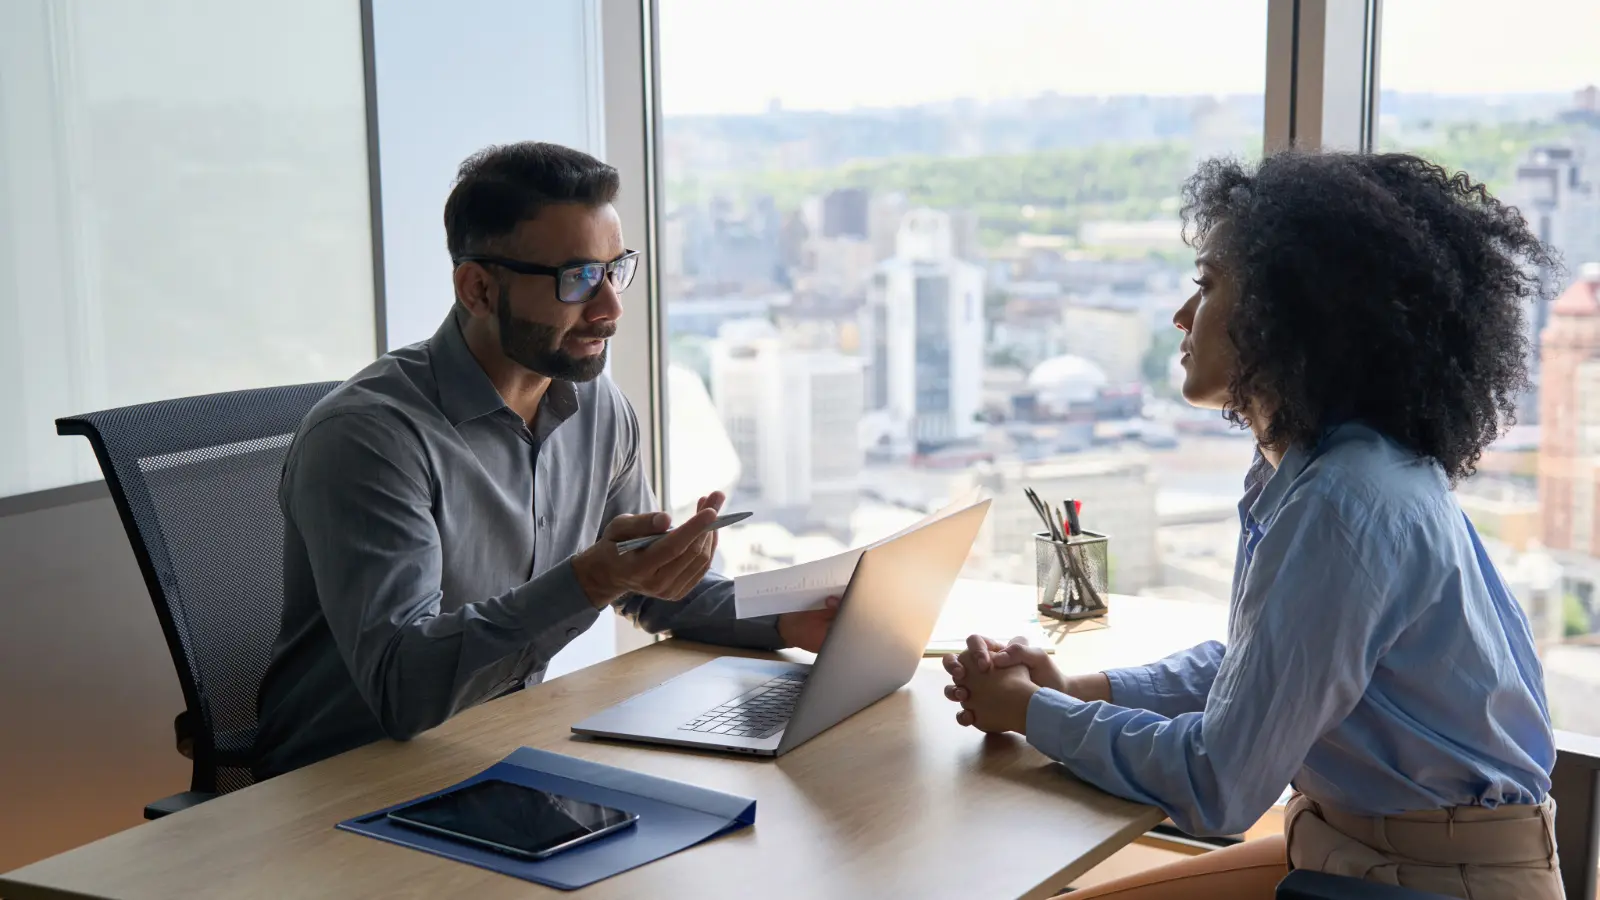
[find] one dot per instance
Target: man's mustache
(599, 334)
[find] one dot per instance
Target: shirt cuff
(554, 609)
(1132, 687)
(1047, 723)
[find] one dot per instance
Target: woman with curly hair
(1362, 315)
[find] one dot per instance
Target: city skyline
(897, 53)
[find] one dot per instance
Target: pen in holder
(1072, 575)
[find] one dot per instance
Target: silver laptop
(767, 708)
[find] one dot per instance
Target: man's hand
(807, 630)
(995, 699)
(667, 569)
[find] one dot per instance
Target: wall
(180, 212)
(89, 690)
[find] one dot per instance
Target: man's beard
(537, 346)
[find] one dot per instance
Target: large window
(1518, 107)
(184, 208)
(909, 248)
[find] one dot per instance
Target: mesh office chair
(195, 481)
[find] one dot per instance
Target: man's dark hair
(498, 187)
(1376, 287)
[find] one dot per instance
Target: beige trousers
(1507, 853)
(1472, 852)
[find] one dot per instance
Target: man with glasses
(452, 512)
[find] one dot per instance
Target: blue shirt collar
(1276, 486)
(1266, 488)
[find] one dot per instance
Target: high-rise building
(923, 331)
(1556, 191)
(885, 211)
(838, 265)
(732, 243)
(845, 214)
(1569, 410)
(793, 417)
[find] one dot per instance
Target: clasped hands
(994, 682)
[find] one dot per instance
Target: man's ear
(476, 289)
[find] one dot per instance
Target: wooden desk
(897, 801)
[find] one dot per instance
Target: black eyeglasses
(576, 283)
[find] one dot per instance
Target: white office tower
(793, 417)
(703, 458)
(923, 338)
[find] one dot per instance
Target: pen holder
(1072, 577)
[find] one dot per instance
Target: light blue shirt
(1375, 659)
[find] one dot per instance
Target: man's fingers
(712, 501)
(678, 576)
(678, 542)
(624, 528)
(956, 692)
(966, 718)
(686, 582)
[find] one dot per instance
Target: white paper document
(809, 585)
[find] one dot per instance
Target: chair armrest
(177, 803)
(1304, 885)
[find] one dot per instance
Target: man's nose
(605, 305)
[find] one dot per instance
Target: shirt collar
(1277, 484)
(1274, 485)
(465, 391)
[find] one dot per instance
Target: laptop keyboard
(757, 713)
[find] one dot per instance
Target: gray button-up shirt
(428, 533)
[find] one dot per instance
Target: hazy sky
(737, 55)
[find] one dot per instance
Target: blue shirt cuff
(1047, 723)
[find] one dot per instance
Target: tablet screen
(511, 815)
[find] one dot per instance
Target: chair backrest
(196, 483)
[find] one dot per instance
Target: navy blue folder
(673, 816)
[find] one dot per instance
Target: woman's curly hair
(1376, 287)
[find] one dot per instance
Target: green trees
(1055, 191)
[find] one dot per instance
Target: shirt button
(574, 632)
(541, 521)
